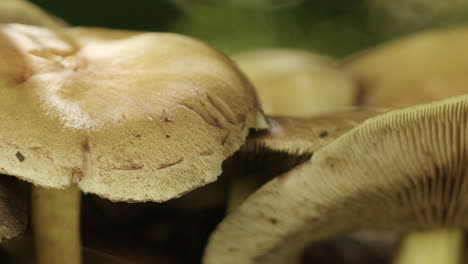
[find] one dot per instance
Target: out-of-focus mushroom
(404, 170)
(24, 12)
(13, 208)
(129, 116)
(418, 69)
(297, 83)
(421, 68)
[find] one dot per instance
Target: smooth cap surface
(297, 83)
(418, 69)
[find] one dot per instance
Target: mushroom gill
(404, 170)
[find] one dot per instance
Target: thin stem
(56, 224)
(431, 247)
(240, 188)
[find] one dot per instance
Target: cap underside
(402, 170)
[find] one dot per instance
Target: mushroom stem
(434, 246)
(240, 188)
(56, 224)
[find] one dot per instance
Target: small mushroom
(287, 143)
(291, 83)
(403, 170)
(129, 116)
(25, 12)
(297, 83)
(13, 208)
(417, 69)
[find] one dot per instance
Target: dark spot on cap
(20, 156)
(323, 134)
(231, 249)
(273, 220)
(138, 136)
(85, 145)
(168, 136)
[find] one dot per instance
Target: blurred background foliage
(334, 27)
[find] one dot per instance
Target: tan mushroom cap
(305, 135)
(126, 115)
(402, 170)
(418, 69)
(287, 143)
(24, 12)
(13, 209)
(307, 84)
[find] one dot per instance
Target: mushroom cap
(286, 144)
(24, 12)
(305, 135)
(402, 170)
(418, 69)
(297, 83)
(129, 116)
(13, 208)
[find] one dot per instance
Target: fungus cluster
(352, 183)
(402, 171)
(139, 116)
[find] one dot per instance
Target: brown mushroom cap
(402, 170)
(418, 69)
(24, 12)
(13, 209)
(297, 83)
(305, 135)
(126, 115)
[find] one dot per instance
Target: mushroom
(24, 12)
(424, 67)
(129, 116)
(403, 170)
(296, 82)
(13, 208)
(293, 83)
(287, 143)
(417, 69)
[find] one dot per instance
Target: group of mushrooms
(377, 142)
